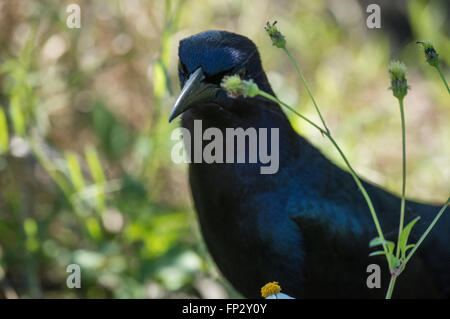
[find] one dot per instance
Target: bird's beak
(194, 91)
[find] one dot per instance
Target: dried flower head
(430, 53)
(236, 87)
(277, 38)
(399, 85)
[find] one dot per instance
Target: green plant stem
(352, 172)
(402, 205)
(327, 133)
(391, 287)
(274, 99)
(307, 87)
(425, 234)
(443, 78)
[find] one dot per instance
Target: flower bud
(278, 39)
(430, 53)
(399, 85)
(236, 87)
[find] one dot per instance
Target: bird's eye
(182, 68)
(242, 72)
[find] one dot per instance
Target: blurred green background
(85, 169)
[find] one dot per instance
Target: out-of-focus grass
(85, 169)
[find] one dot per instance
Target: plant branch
(307, 87)
(391, 287)
(402, 205)
(443, 78)
(352, 171)
(425, 234)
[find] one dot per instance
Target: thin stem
(366, 197)
(352, 171)
(307, 87)
(274, 99)
(443, 78)
(328, 134)
(402, 205)
(391, 287)
(365, 194)
(425, 234)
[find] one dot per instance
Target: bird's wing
(336, 249)
(336, 235)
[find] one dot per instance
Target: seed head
(236, 87)
(277, 38)
(430, 53)
(399, 85)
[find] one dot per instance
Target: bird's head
(205, 58)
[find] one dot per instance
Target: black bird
(306, 226)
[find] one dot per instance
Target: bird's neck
(265, 119)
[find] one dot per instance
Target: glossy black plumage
(307, 226)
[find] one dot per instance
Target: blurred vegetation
(85, 169)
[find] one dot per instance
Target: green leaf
(17, 116)
(159, 80)
(94, 228)
(95, 165)
(75, 171)
(30, 227)
(403, 238)
(394, 261)
(98, 175)
(409, 247)
(4, 140)
(377, 241)
(377, 253)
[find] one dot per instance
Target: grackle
(306, 226)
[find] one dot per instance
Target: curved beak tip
(172, 116)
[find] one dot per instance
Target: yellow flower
(269, 289)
